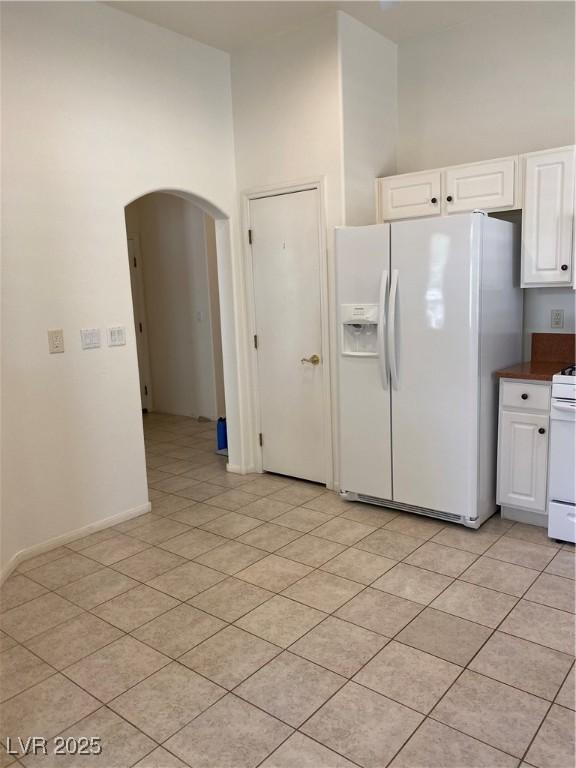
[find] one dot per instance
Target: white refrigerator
(427, 311)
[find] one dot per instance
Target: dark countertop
(536, 370)
(550, 353)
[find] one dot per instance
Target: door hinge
(260, 440)
(250, 237)
(135, 262)
(140, 327)
(145, 389)
(255, 341)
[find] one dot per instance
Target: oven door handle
(569, 407)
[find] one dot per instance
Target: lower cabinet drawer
(523, 395)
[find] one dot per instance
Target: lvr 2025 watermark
(60, 745)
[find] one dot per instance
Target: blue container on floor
(221, 435)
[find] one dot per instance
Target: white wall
(287, 118)
(318, 101)
(499, 85)
(368, 82)
(287, 111)
(538, 304)
(98, 109)
(214, 301)
(310, 104)
(174, 262)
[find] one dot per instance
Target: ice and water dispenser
(359, 329)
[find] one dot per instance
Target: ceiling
(231, 26)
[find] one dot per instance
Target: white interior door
(140, 325)
(286, 261)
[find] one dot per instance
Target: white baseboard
(524, 516)
(236, 469)
(64, 538)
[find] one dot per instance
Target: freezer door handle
(381, 333)
(392, 329)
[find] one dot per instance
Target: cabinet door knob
(524, 396)
(449, 198)
(564, 267)
(541, 431)
(434, 200)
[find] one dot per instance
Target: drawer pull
(541, 431)
(524, 396)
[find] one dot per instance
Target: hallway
(245, 607)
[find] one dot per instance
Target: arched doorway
(182, 248)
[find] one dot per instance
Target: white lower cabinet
(524, 422)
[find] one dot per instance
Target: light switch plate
(55, 341)
(90, 338)
(116, 336)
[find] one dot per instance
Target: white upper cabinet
(411, 195)
(491, 186)
(488, 186)
(548, 218)
(542, 184)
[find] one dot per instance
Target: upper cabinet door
(548, 218)
(488, 186)
(409, 196)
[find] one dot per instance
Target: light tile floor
(262, 621)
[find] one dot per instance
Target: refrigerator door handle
(392, 329)
(381, 338)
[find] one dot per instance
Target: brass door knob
(313, 360)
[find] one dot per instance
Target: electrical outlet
(557, 318)
(55, 341)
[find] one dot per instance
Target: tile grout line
(467, 668)
(348, 680)
(278, 593)
(317, 568)
(328, 614)
(539, 728)
(487, 639)
(463, 668)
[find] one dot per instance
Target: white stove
(567, 376)
(562, 468)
